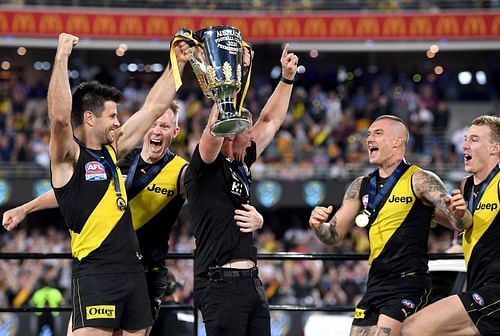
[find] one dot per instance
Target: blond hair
(492, 122)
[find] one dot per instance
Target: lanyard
(374, 198)
(134, 186)
(110, 167)
(472, 203)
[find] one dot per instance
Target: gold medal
(121, 204)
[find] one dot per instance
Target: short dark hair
(91, 96)
(492, 122)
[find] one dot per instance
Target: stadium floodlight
(465, 77)
(481, 77)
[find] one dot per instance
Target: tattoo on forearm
(429, 184)
(353, 189)
(327, 232)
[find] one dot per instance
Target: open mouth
(156, 144)
(372, 150)
(467, 158)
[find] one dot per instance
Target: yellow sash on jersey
(484, 215)
(102, 220)
(392, 214)
(157, 194)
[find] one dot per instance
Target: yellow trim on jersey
(157, 194)
(391, 216)
(484, 215)
(101, 221)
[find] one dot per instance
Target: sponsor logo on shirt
(94, 171)
(400, 199)
(160, 190)
(487, 206)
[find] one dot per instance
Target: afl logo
(94, 171)
(314, 193)
(268, 193)
(41, 187)
(478, 298)
(4, 192)
(408, 303)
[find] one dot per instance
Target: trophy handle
(187, 36)
(241, 98)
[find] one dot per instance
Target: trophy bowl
(217, 65)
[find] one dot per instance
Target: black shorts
(398, 304)
(483, 307)
(115, 301)
(233, 304)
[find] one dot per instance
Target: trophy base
(230, 126)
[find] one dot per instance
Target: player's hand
(12, 218)
(319, 215)
(66, 44)
(249, 219)
(456, 204)
(289, 63)
(183, 52)
(248, 55)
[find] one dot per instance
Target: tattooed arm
(451, 211)
(335, 230)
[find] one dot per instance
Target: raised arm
(210, 145)
(337, 228)
(451, 211)
(62, 149)
(12, 218)
(274, 112)
(157, 101)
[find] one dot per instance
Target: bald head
(397, 126)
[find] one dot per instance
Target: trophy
(217, 65)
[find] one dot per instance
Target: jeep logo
(487, 206)
(159, 190)
(400, 199)
(95, 312)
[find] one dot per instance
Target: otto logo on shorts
(94, 171)
(478, 298)
(408, 303)
(94, 312)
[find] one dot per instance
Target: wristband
(287, 81)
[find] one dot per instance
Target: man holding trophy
(227, 288)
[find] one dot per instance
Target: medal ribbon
(133, 187)
(473, 201)
(374, 198)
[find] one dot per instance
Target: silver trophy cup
(217, 64)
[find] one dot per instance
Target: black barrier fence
(188, 307)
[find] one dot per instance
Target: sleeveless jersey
(398, 234)
(102, 236)
(481, 242)
(155, 205)
(214, 191)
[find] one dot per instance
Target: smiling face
(159, 137)
(107, 123)
(386, 139)
(480, 151)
